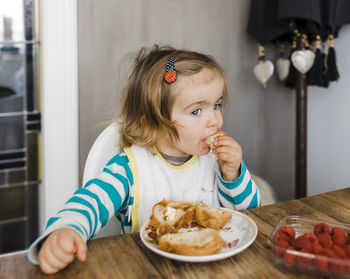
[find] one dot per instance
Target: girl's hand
(229, 154)
(59, 250)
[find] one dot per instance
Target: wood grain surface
(124, 256)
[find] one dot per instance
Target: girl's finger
(228, 149)
(53, 261)
(62, 255)
(66, 244)
(46, 267)
(80, 247)
(228, 157)
(224, 140)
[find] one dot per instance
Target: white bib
(155, 179)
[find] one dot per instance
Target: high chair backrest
(102, 150)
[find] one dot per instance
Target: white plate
(241, 230)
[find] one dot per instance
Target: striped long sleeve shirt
(109, 195)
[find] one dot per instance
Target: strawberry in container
(313, 246)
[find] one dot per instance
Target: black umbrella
(270, 21)
(264, 24)
(301, 22)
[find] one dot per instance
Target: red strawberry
(348, 237)
(289, 231)
(321, 263)
(279, 247)
(328, 252)
(305, 260)
(316, 248)
(337, 266)
(331, 258)
(338, 236)
(340, 252)
(283, 236)
(282, 243)
(347, 249)
(302, 242)
(325, 240)
(288, 257)
(311, 237)
(321, 228)
(347, 264)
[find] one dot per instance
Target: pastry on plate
(192, 243)
(168, 216)
(211, 217)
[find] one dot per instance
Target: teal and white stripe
(239, 194)
(100, 199)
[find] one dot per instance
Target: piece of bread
(192, 243)
(188, 217)
(178, 204)
(169, 216)
(210, 140)
(211, 217)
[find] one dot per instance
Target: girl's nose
(214, 120)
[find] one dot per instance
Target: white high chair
(106, 146)
(102, 150)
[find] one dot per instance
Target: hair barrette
(170, 75)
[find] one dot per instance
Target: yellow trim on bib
(185, 165)
(135, 190)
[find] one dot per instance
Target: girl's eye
(196, 111)
(217, 106)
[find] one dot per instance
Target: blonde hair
(147, 101)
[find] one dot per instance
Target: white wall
(263, 121)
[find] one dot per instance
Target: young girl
(172, 103)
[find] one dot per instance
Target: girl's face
(196, 112)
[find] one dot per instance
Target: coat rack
(301, 134)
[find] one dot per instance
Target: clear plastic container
(308, 262)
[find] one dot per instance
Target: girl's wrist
(231, 177)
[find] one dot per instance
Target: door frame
(59, 105)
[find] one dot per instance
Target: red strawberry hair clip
(170, 75)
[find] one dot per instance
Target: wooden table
(124, 256)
